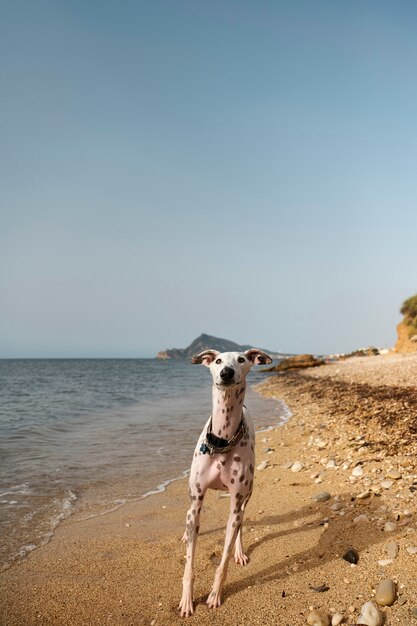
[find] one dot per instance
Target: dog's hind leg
(233, 526)
(240, 557)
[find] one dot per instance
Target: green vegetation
(409, 310)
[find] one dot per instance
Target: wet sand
(125, 568)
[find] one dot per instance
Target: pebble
(337, 619)
(394, 475)
(387, 484)
(385, 562)
(370, 615)
(351, 556)
(363, 495)
(321, 496)
(357, 471)
(361, 519)
(386, 592)
(262, 466)
(318, 618)
(331, 464)
(392, 549)
(337, 506)
(297, 466)
(412, 550)
(389, 527)
(414, 612)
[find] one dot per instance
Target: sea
(82, 437)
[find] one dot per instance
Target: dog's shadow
(339, 537)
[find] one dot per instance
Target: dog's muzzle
(227, 374)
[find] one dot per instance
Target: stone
(363, 495)
(370, 615)
(385, 562)
(318, 618)
(337, 506)
(337, 619)
(387, 484)
(389, 527)
(321, 496)
(262, 466)
(412, 550)
(414, 612)
(297, 466)
(361, 519)
(357, 471)
(300, 361)
(394, 475)
(386, 592)
(331, 464)
(351, 556)
(392, 549)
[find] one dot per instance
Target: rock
(389, 527)
(387, 484)
(318, 618)
(331, 464)
(357, 471)
(412, 550)
(351, 556)
(392, 549)
(370, 615)
(360, 519)
(337, 619)
(300, 361)
(386, 592)
(262, 466)
(297, 466)
(385, 562)
(414, 612)
(320, 589)
(321, 496)
(363, 495)
(337, 506)
(394, 475)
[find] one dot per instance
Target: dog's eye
(241, 359)
(218, 361)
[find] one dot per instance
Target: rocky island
(206, 342)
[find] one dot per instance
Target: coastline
(126, 567)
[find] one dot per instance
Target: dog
(224, 459)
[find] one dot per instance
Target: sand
(126, 567)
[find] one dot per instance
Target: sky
(243, 169)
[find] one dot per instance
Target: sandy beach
(353, 432)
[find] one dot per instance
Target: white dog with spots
(223, 459)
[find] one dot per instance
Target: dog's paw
(241, 559)
(214, 600)
(186, 607)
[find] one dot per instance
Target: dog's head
(231, 368)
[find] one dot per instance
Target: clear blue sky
(245, 169)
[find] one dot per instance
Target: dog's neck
(227, 409)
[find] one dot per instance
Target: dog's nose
(227, 374)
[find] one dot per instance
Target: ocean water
(83, 437)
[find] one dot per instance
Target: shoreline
(126, 567)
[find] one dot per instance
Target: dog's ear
(206, 357)
(257, 356)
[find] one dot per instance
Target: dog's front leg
(192, 526)
(234, 524)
